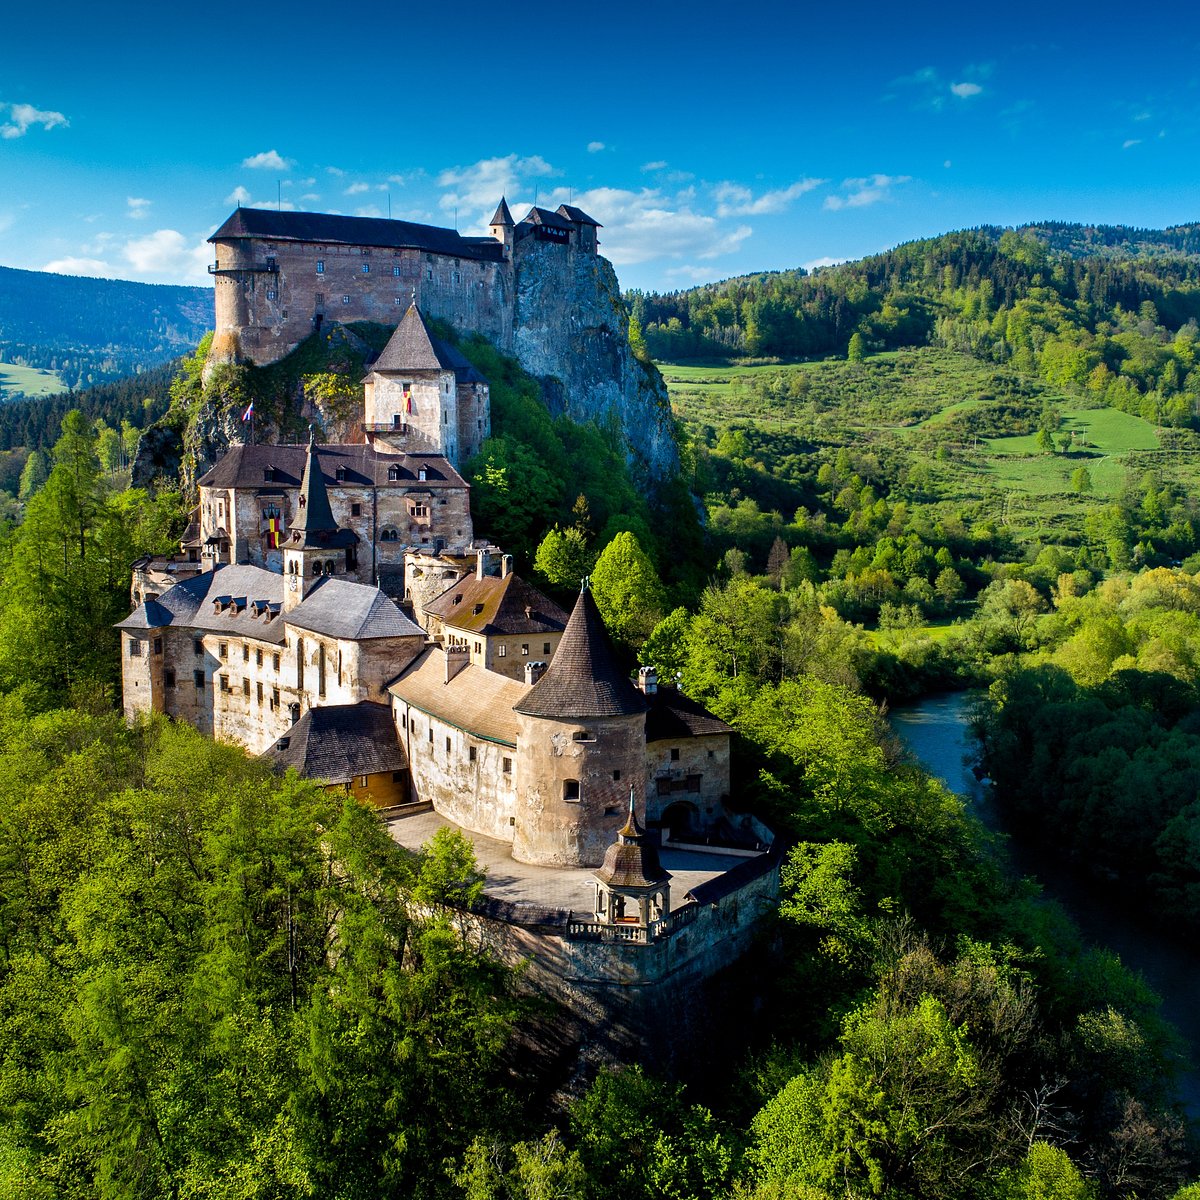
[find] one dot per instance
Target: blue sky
(709, 140)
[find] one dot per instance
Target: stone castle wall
(271, 295)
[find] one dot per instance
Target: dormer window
(422, 474)
(458, 597)
(477, 609)
(341, 474)
(393, 473)
(268, 474)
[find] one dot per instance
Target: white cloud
(479, 186)
(965, 90)
(595, 147)
(648, 224)
(22, 118)
(80, 266)
(310, 197)
(137, 208)
(688, 274)
(817, 263)
(1129, 142)
(369, 210)
(166, 254)
(870, 189)
(658, 164)
(734, 199)
(335, 171)
(357, 189)
(270, 160)
(239, 195)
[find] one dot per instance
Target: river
(934, 730)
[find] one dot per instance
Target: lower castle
(403, 661)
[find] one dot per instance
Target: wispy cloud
(595, 147)
(137, 208)
(268, 160)
(865, 191)
(95, 267)
(965, 90)
(659, 164)
(357, 189)
(735, 199)
(480, 185)
(23, 117)
(816, 264)
(1129, 143)
(927, 88)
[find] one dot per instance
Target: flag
(408, 400)
(249, 413)
(273, 532)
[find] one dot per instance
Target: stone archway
(681, 821)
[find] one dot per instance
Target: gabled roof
(508, 605)
(583, 679)
(363, 465)
(577, 215)
(475, 700)
(191, 604)
(325, 228)
(543, 216)
(673, 716)
(336, 742)
(413, 348)
(351, 611)
(502, 216)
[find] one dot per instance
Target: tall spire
(502, 216)
(314, 516)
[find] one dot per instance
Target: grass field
(904, 400)
(32, 381)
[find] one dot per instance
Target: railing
(268, 268)
(601, 931)
(383, 427)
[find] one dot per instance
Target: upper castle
(280, 275)
(538, 289)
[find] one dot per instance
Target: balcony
(265, 268)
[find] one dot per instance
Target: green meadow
(30, 381)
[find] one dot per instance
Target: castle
(537, 288)
(342, 619)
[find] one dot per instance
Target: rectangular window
(246, 688)
(158, 645)
(428, 272)
(693, 783)
(197, 646)
(258, 658)
(506, 766)
(271, 294)
(674, 753)
(168, 677)
(447, 745)
(259, 691)
(320, 266)
(525, 649)
(345, 299)
(398, 301)
(502, 650)
(222, 649)
(431, 735)
(245, 652)
(356, 510)
(135, 648)
(320, 298)
(274, 698)
(396, 271)
(471, 754)
(275, 661)
(366, 268)
(571, 791)
(198, 679)
(545, 647)
(223, 682)
(616, 776)
(662, 787)
(362, 781)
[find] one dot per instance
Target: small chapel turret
(315, 545)
(632, 886)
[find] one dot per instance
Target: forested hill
(94, 330)
(1093, 306)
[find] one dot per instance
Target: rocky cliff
(571, 330)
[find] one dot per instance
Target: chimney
(534, 671)
(481, 562)
(457, 657)
(506, 566)
(648, 680)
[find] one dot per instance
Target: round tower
(581, 741)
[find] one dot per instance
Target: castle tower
(501, 227)
(581, 741)
(315, 546)
(411, 394)
(632, 886)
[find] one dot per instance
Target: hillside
(75, 331)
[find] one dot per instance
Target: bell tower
(316, 546)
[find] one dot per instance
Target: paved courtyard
(554, 887)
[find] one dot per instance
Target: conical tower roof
(584, 678)
(632, 860)
(503, 216)
(314, 517)
(411, 347)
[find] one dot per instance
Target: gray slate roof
(325, 228)
(191, 604)
(577, 215)
(245, 467)
(673, 716)
(413, 348)
(313, 518)
(336, 742)
(583, 679)
(543, 216)
(352, 611)
(502, 215)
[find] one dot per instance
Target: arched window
(389, 534)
